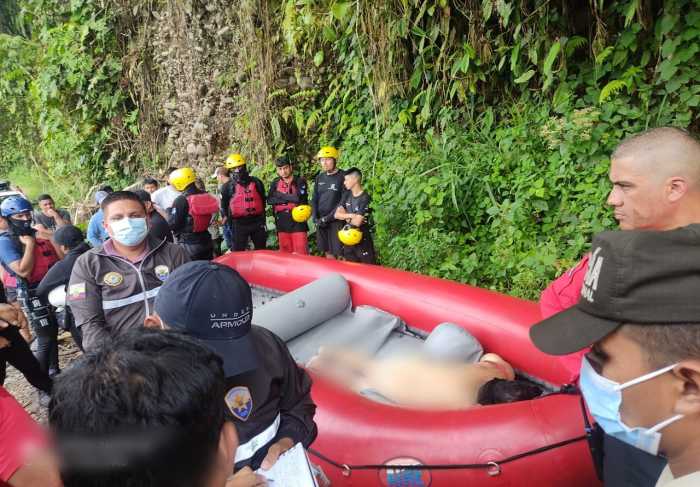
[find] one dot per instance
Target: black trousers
(255, 231)
(20, 357)
(46, 333)
(200, 250)
(362, 252)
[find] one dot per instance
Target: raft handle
(494, 469)
(347, 471)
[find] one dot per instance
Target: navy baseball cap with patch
(634, 276)
(213, 303)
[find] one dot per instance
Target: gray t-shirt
(48, 221)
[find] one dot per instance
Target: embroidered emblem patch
(76, 291)
(162, 272)
(113, 279)
(239, 402)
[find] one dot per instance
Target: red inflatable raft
(531, 443)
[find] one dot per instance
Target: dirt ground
(25, 394)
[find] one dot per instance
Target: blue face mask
(604, 398)
(129, 231)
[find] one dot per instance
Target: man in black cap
(72, 243)
(639, 309)
(268, 395)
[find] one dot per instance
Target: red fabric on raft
(563, 293)
(354, 430)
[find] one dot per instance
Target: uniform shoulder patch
(162, 272)
(76, 291)
(239, 402)
(113, 279)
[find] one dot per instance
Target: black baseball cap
(639, 277)
(68, 235)
(213, 303)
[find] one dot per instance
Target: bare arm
(24, 266)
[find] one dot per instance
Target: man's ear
(676, 188)
(687, 374)
(153, 321)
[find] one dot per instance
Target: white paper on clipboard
(292, 469)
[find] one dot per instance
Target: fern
(603, 55)
(574, 44)
(612, 88)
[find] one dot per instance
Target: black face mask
(21, 227)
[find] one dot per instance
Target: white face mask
(129, 231)
(604, 398)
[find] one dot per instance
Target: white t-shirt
(667, 480)
(164, 197)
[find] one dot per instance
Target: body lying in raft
(422, 383)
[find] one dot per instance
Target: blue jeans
(228, 235)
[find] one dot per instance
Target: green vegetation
(484, 127)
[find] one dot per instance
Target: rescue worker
(328, 189)
(656, 186)
(158, 227)
(354, 210)
(268, 395)
(72, 243)
(244, 205)
(26, 260)
(191, 214)
(112, 287)
(641, 378)
(287, 192)
(223, 176)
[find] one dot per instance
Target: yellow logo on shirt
(113, 279)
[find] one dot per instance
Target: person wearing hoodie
(72, 242)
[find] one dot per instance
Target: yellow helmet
(301, 213)
(328, 151)
(350, 235)
(181, 178)
(234, 160)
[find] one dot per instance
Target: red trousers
(293, 242)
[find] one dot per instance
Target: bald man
(656, 186)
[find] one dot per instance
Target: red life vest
(246, 201)
(44, 257)
(202, 207)
(285, 188)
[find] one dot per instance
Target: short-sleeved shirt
(20, 436)
(10, 249)
(360, 205)
(48, 221)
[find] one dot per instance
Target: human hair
(152, 181)
(146, 411)
(665, 344)
(652, 138)
(106, 188)
(143, 195)
(353, 171)
(499, 391)
(44, 197)
(120, 196)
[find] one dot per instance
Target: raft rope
(493, 467)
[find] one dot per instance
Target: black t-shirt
(160, 228)
(328, 189)
(359, 205)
